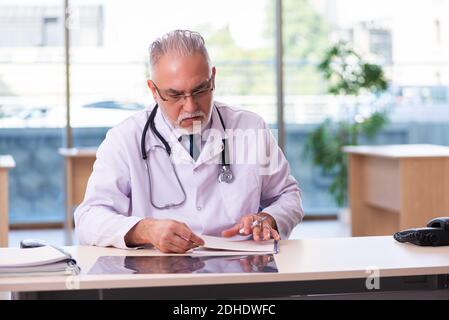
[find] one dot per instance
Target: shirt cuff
(128, 224)
(277, 216)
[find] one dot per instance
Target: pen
(254, 224)
(276, 246)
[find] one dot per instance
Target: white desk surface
(307, 259)
(400, 150)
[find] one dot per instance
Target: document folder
(46, 260)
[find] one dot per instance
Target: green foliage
(348, 74)
(324, 147)
(305, 32)
(250, 71)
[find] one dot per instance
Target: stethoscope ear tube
(225, 174)
(224, 163)
(144, 134)
(150, 123)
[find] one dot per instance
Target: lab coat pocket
(242, 195)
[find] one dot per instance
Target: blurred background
(108, 67)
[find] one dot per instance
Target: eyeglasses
(173, 97)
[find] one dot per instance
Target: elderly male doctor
(167, 175)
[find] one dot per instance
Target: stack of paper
(232, 244)
(46, 260)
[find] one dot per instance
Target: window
(437, 32)
(52, 32)
(404, 44)
(33, 109)
(109, 68)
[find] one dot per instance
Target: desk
(6, 163)
(396, 187)
(308, 266)
(78, 168)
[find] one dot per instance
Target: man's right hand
(169, 236)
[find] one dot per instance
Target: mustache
(186, 115)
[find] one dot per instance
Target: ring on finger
(266, 225)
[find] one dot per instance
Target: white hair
(183, 42)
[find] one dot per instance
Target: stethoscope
(225, 173)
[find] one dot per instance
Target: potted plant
(348, 76)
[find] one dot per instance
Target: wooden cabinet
(78, 168)
(6, 163)
(395, 187)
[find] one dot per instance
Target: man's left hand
(264, 231)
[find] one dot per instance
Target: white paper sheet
(241, 245)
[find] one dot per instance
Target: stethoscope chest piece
(225, 175)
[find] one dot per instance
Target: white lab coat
(118, 191)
